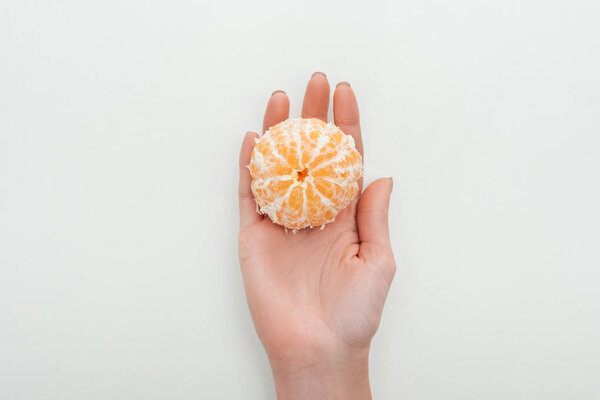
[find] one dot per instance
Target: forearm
(344, 376)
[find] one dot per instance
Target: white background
(120, 124)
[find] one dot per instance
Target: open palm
(316, 292)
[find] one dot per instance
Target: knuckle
(351, 123)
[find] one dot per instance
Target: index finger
(346, 116)
(345, 113)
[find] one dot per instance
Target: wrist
(338, 373)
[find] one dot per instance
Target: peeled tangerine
(304, 172)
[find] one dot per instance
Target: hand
(316, 296)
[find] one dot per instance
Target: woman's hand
(316, 296)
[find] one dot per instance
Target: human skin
(316, 296)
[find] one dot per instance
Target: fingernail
(391, 183)
(318, 73)
(277, 91)
(343, 83)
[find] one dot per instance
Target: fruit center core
(302, 174)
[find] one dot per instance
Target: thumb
(372, 218)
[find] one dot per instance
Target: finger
(346, 116)
(316, 98)
(345, 113)
(278, 109)
(372, 219)
(248, 214)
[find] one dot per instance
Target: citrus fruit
(304, 172)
